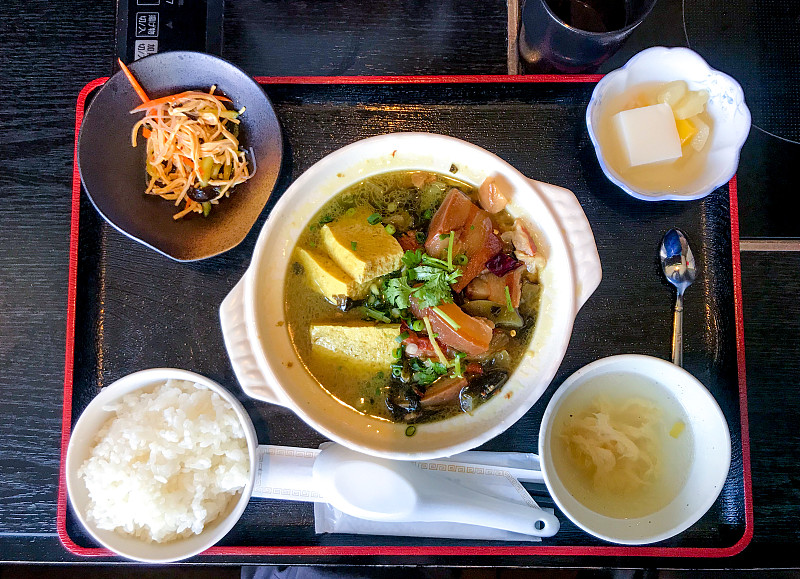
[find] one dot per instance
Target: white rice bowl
(167, 463)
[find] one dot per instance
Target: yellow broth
(364, 387)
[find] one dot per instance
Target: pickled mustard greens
(408, 300)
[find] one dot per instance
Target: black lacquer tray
(131, 308)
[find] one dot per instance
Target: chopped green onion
(472, 227)
(421, 237)
(401, 337)
(397, 353)
(457, 369)
(206, 208)
(353, 245)
(325, 219)
(390, 229)
(411, 430)
(417, 325)
(312, 227)
(312, 243)
(450, 251)
(446, 318)
(508, 301)
(374, 218)
(350, 212)
(379, 374)
(375, 315)
(444, 235)
(427, 214)
(460, 259)
(397, 370)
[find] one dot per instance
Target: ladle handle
(677, 331)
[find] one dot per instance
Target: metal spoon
(678, 264)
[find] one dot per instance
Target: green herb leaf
(412, 258)
(426, 371)
(398, 292)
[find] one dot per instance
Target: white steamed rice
(167, 463)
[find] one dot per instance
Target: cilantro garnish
(436, 278)
(426, 371)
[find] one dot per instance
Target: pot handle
(580, 239)
(240, 351)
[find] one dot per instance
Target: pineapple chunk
(692, 104)
(672, 92)
(701, 137)
(686, 130)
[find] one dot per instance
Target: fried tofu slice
(362, 250)
(364, 342)
(328, 278)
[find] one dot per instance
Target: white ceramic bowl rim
(82, 438)
(739, 119)
(708, 472)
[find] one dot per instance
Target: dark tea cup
(574, 36)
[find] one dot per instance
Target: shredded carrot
(181, 131)
(134, 83)
(171, 98)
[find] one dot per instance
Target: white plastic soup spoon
(385, 490)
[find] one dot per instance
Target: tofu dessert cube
(648, 135)
(362, 250)
(365, 342)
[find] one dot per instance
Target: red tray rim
(386, 550)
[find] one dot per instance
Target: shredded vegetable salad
(194, 156)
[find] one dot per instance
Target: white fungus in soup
(167, 463)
